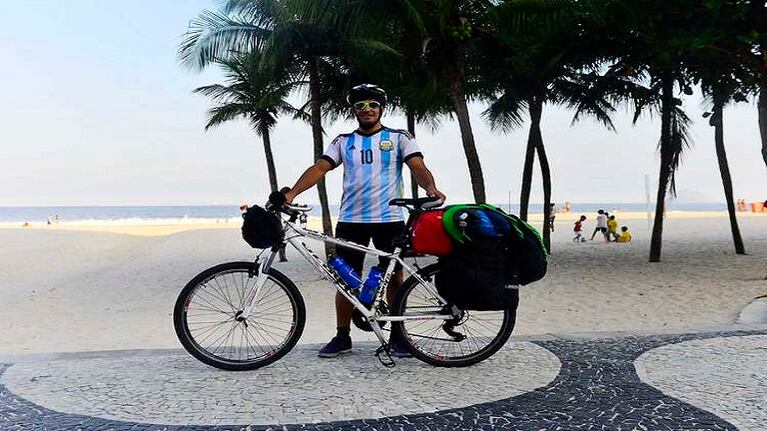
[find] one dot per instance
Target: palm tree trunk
(316, 121)
(667, 105)
(411, 129)
(272, 175)
(527, 170)
(763, 119)
(270, 161)
(458, 98)
(717, 120)
(536, 112)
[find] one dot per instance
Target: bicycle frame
(294, 234)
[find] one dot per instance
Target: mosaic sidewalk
(696, 381)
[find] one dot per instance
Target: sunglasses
(367, 104)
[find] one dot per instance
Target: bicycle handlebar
(278, 203)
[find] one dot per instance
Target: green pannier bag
(524, 255)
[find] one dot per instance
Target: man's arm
(423, 177)
(309, 178)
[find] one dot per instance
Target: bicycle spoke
(213, 291)
(199, 296)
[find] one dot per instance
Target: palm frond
(225, 113)
(505, 112)
(680, 141)
(214, 36)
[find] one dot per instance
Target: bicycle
(245, 315)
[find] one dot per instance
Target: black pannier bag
(261, 228)
(493, 254)
(473, 277)
(526, 254)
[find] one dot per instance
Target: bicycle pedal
(387, 362)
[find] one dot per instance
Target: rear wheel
(473, 337)
(207, 324)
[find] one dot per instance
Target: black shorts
(600, 229)
(382, 235)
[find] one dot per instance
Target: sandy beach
(79, 288)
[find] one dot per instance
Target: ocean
(219, 213)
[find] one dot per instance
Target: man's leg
(382, 239)
(357, 233)
(394, 284)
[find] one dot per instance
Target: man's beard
(368, 124)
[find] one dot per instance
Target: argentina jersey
(372, 173)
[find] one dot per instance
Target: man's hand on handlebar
(280, 198)
(277, 199)
(437, 194)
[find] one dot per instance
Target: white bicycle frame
(294, 235)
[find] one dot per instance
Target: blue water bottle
(369, 289)
(347, 273)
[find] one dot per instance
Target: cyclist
(372, 157)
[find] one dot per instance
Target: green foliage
(586, 55)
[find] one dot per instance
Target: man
(372, 157)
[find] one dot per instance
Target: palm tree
(716, 64)
(719, 96)
(651, 45)
(538, 65)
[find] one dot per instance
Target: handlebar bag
(261, 228)
(429, 234)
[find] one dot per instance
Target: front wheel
(207, 324)
(471, 338)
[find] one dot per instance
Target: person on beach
(372, 157)
(612, 228)
(552, 216)
(625, 235)
(601, 225)
(578, 229)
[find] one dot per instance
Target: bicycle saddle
(426, 202)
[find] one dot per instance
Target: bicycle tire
(193, 347)
(400, 307)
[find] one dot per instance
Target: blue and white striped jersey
(372, 173)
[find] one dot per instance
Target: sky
(96, 110)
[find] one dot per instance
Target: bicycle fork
(246, 307)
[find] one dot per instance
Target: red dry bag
(429, 235)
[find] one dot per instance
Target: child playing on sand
(625, 235)
(578, 229)
(612, 228)
(601, 225)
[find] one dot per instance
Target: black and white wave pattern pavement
(597, 388)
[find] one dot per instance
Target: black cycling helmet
(366, 92)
